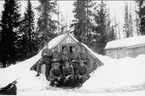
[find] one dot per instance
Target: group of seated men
(64, 67)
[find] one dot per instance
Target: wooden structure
(131, 47)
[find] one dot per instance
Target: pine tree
(100, 36)
(45, 23)
(28, 27)
(10, 26)
(111, 35)
(82, 23)
(126, 22)
(131, 25)
(128, 30)
(141, 15)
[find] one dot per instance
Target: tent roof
(55, 41)
(126, 42)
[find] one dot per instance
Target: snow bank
(31, 82)
(126, 42)
(19, 70)
(117, 74)
(27, 79)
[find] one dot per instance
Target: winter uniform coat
(75, 67)
(56, 55)
(46, 59)
(67, 71)
(74, 56)
(83, 70)
(65, 58)
(55, 73)
(46, 53)
(84, 57)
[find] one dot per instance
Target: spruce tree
(28, 26)
(128, 30)
(10, 26)
(126, 22)
(111, 35)
(101, 34)
(131, 25)
(82, 23)
(141, 15)
(45, 23)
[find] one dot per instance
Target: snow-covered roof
(55, 41)
(126, 42)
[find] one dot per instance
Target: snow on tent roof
(73, 37)
(126, 42)
(54, 42)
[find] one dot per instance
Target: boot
(37, 74)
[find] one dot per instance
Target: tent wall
(93, 64)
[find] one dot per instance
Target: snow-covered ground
(126, 73)
(122, 77)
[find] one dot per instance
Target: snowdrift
(117, 73)
(19, 70)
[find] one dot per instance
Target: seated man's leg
(60, 82)
(41, 62)
(76, 81)
(70, 81)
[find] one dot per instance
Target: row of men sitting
(72, 58)
(68, 75)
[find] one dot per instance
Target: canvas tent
(131, 47)
(69, 41)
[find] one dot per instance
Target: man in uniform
(84, 57)
(75, 64)
(75, 55)
(83, 74)
(46, 59)
(67, 73)
(65, 57)
(55, 74)
(56, 55)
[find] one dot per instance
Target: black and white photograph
(72, 47)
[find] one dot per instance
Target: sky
(116, 9)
